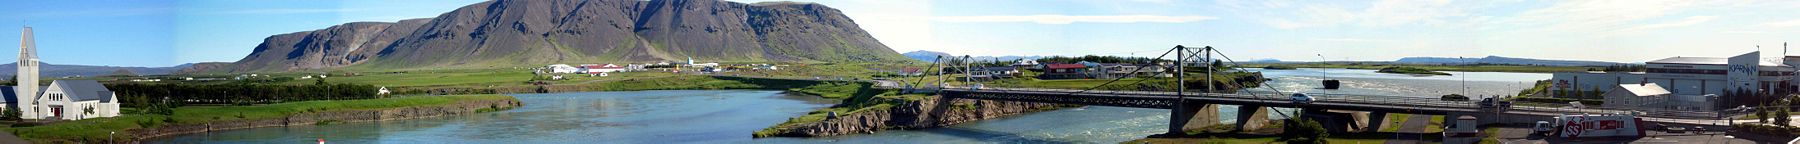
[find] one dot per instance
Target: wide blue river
(730, 116)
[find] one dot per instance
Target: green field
(97, 129)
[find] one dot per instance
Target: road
(1414, 124)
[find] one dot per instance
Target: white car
(1301, 98)
(1543, 127)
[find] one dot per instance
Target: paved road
(1414, 124)
(9, 138)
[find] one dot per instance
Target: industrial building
(1693, 79)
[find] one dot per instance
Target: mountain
(535, 32)
(1504, 60)
(931, 56)
(58, 70)
(927, 56)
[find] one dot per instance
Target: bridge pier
(1343, 121)
(1251, 117)
(1194, 116)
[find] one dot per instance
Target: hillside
(507, 33)
(59, 70)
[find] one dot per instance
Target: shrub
(1305, 131)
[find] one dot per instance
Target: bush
(1454, 97)
(1304, 131)
(1768, 130)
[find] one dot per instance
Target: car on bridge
(1301, 98)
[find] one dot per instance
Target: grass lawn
(1436, 126)
(96, 129)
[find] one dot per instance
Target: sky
(167, 33)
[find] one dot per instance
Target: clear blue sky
(164, 33)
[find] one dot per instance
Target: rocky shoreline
(930, 112)
(460, 108)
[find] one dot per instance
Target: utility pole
(968, 72)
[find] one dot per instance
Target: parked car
(1543, 127)
(1301, 98)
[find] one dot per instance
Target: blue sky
(164, 33)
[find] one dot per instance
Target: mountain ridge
(531, 32)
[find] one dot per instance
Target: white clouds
(1683, 22)
(1353, 40)
(1782, 24)
(1286, 15)
(1067, 19)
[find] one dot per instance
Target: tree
(319, 81)
(1305, 131)
(1781, 114)
(12, 114)
(1762, 114)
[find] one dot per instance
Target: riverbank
(132, 128)
(923, 112)
(1410, 70)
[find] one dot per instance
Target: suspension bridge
(1193, 110)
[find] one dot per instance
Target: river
(730, 116)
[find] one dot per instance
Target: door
(56, 111)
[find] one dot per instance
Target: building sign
(1741, 72)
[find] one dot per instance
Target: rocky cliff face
(930, 112)
(532, 32)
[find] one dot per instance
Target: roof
(84, 90)
(8, 95)
(1064, 66)
(1000, 69)
(1705, 61)
(1692, 60)
(1646, 89)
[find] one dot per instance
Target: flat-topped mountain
(507, 33)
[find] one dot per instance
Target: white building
(1647, 95)
(1590, 81)
(562, 68)
(1693, 79)
(63, 99)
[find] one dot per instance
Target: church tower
(27, 88)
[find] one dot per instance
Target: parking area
(1523, 135)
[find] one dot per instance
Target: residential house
(598, 69)
(996, 72)
(911, 71)
(1064, 71)
(1114, 70)
(562, 68)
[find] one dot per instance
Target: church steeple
(27, 77)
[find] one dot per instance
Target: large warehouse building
(1691, 78)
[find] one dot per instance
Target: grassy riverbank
(1464, 68)
(97, 129)
(1409, 70)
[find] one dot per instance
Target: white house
(1642, 95)
(562, 68)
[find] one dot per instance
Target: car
(1543, 127)
(1301, 98)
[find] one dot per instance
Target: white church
(62, 99)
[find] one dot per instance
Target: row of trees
(175, 95)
